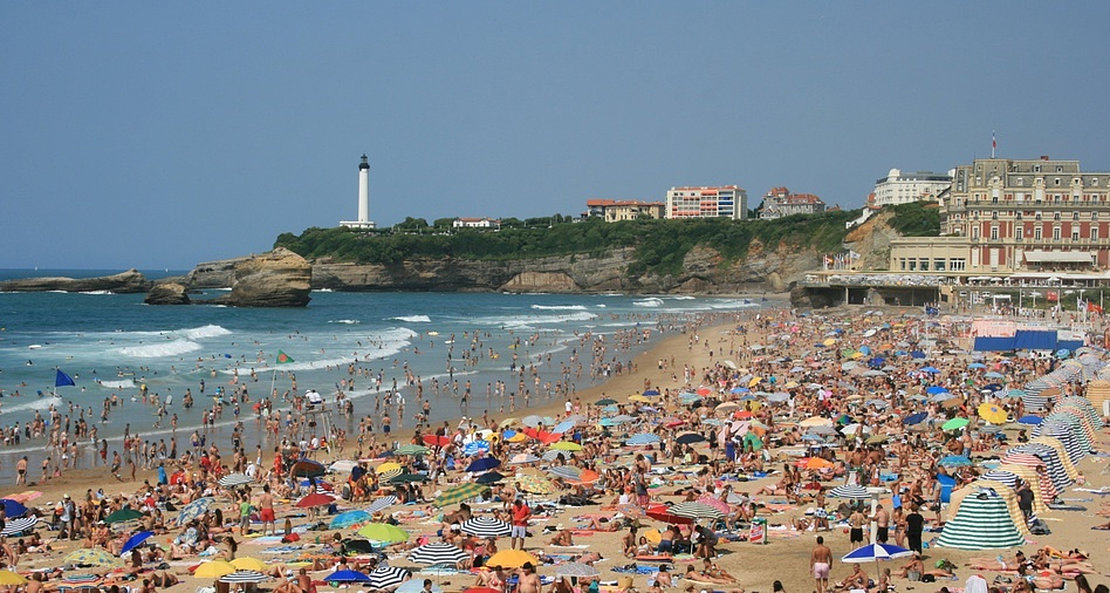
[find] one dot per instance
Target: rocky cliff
(279, 278)
(126, 282)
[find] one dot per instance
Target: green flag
(283, 358)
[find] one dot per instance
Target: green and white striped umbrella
(982, 522)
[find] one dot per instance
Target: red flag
(1091, 307)
(1053, 295)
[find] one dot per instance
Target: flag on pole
(1093, 308)
(61, 379)
(994, 144)
(283, 358)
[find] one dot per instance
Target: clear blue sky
(156, 134)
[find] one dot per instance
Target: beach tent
(1055, 445)
(1068, 429)
(1044, 491)
(1010, 478)
(1054, 467)
(981, 519)
(1031, 463)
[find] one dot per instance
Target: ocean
(113, 344)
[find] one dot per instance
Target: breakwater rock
(131, 281)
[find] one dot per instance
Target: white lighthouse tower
(363, 221)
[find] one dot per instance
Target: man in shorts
(820, 561)
(521, 513)
(855, 523)
(21, 471)
(266, 511)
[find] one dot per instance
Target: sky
(160, 135)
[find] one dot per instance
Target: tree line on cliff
(659, 245)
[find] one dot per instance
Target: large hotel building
(1040, 216)
(727, 201)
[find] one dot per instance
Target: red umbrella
(543, 436)
(315, 500)
(663, 513)
(482, 590)
(436, 441)
(704, 391)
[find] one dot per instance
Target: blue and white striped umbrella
(385, 578)
(16, 526)
(381, 504)
(437, 553)
(565, 472)
(476, 447)
(244, 576)
(643, 438)
(876, 552)
(232, 480)
(852, 491)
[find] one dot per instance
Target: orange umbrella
(814, 463)
(588, 476)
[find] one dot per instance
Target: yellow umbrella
(512, 559)
(8, 577)
(248, 563)
(508, 422)
(755, 381)
(639, 398)
(383, 532)
(653, 536)
(214, 569)
(519, 437)
(389, 466)
(992, 413)
(790, 385)
(829, 342)
(566, 446)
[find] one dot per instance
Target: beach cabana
(981, 520)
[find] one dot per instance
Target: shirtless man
(855, 522)
(529, 580)
(882, 520)
(266, 511)
(21, 471)
(820, 562)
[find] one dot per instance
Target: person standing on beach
(21, 471)
(820, 561)
(915, 525)
(266, 511)
(521, 513)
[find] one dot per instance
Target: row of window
(1019, 215)
(937, 264)
(1019, 233)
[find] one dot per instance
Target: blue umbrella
(735, 390)
(917, 354)
(346, 576)
(345, 520)
(483, 464)
(1030, 419)
(563, 426)
(651, 392)
(917, 418)
(13, 509)
(930, 369)
(875, 553)
(976, 365)
(994, 375)
(135, 541)
(643, 438)
(936, 389)
(475, 448)
(955, 461)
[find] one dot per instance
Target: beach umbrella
(814, 421)
(853, 427)
(25, 496)
(917, 418)
(814, 463)
(607, 401)
(566, 446)
(13, 509)
(994, 375)
(688, 438)
(389, 468)
(11, 579)
(90, 557)
(490, 478)
(955, 461)
(535, 484)
(486, 527)
(437, 553)
(566, 472)
(346, 576)
(520, 458)
(460, 493)
(410, 449)
(381, 504)
(349, 518)
(876, 439)
(588, 476)
(435, 440)
(213, 569)
(315, 500)
(663, 513)
(408, 478)
(249, 563)
(714, 502)
(512, 559)
(955, 424)
(232, 480)
(532, 421)
(17, 526)
(1030, 419)
(243, 576)
(697, 510)
(483, 464)
(641, 439)
(850, 491)
(193, 510)
(476, 448)
(306, 468)
(386, 577)
(576, 570)
(135, 541)
(123, 515)
(343, 466)
(875, 553)
(383, 532)
(992, 413)
(416, 586)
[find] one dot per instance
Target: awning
(1079, 257)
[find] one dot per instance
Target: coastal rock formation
(540, 282)
(167, 293)
(214, 274)
(279, 278)
(130, 281)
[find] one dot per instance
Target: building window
(924, 263)
(1075, 234)
(1036, 168)
(1055, 233)
(994, 215)
(1018, 233)
(1059, 168)
(994, 232)
(913, 265)
(1075, 216)
(938, 264)
(1038, 217)
(1055, 216)
(1037, 233)
(1094, 233)
(1094, 215)
(1056, 181)
(975, 233)
(956, 264)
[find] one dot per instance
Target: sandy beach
(678, 364)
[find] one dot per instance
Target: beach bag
(624, 583)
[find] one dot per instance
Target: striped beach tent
(1061, 452)
(1068, 432)
(1031, 463)
(1087, 424)
(1044, 491)
(1037, 395)
(1054, 467)
(1010, 480)
(981, 521)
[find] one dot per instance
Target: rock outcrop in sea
(131, 281)
(279, 278)
(167, 293)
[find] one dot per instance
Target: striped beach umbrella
(982, 522)
(486, 527)
(243, 576)
(438, 553)
(193, 510)
(566, 472)
(714, 502)
(385, 578)
(349, 518)
(381, 504)
(460, 493)
(876, 552)
(522, 458)
(17, 526)
(233, 480)
(696, 510)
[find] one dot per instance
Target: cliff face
(704, 272)
(126, 282)
(279, 278)
(872, 241)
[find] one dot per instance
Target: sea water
(113, 344)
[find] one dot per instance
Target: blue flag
(62, 379)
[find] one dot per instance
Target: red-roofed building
(725, 201)
(779, 202)
(476, 223)
(615, 210)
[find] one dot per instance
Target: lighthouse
(363, 221)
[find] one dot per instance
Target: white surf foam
(651, 302)
(121, 384)
(559, 307)
(412, 318)
(204, 331)
(97, 292)
(160, 349)
(346, 321)
(524, 322)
